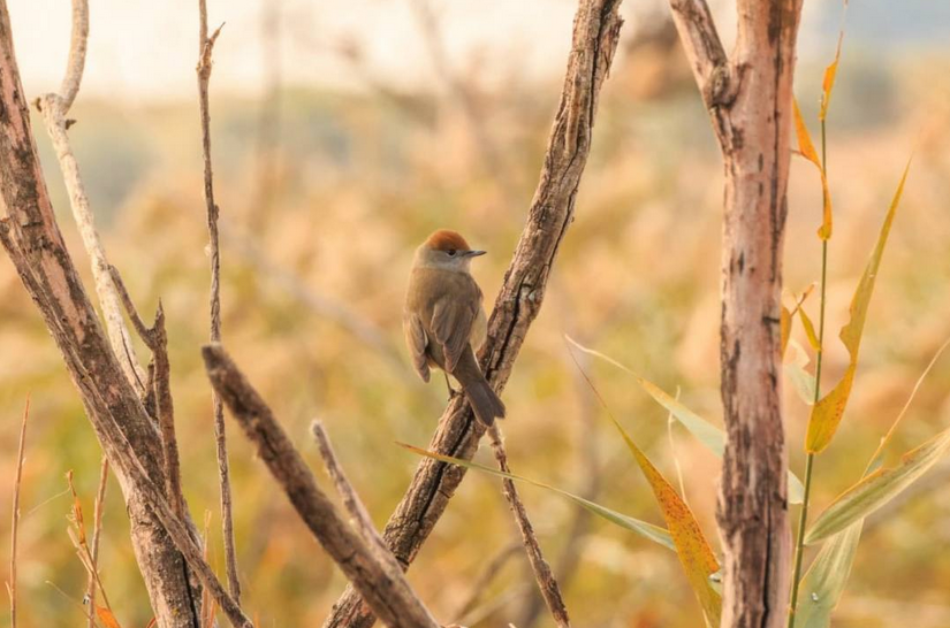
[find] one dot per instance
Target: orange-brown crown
(446, 240)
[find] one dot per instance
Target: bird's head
(447, 250)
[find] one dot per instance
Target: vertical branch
(594, 41)
(97, 533)
(749, 101)
(205, 49)
(15, 524)
(547, 583)
(54, 108)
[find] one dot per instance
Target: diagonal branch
(595, 37)
(380, 582)
(547, 583)
(205, 50)
(702, 46)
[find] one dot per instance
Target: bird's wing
(417, 341)
(452, 321)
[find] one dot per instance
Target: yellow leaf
(805, 145)
(826, 414)
(810, 331)
(807, 149)
(695, 554)
(106, 617)
(785, 325)
(828, 81)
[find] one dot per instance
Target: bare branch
(749, 102)
(596, 33)
(704, 51)
(97, 533)
(547, 583)
(15, 516)
(156, 338)
(30, 235)
(352, 503)
(54, 108)
(381, 583)
(205, 50)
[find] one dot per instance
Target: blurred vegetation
(340, 200)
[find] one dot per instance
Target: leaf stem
(810, 457)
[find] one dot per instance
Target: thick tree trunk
(750, 102)
(31, 237)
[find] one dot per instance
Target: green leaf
(826, 414)
(802, 380)
(707, 433)
(822, 586)
(829, 573)
(647, 530)
(878, 488)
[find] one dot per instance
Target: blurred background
(343, 133)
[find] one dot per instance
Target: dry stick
(156, 339)
(596, 33)
(381, 582)
(14, 526)
(54, 108)
(31, 237)
(547, 583)
(97, 533)
(205, 49)
(351, 501)
(749, 101)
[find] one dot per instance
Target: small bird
(444, 321)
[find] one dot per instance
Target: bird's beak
(474, 253)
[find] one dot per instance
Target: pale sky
(140, 50)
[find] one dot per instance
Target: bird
(444, 321)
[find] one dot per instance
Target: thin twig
(11, 586)
(547, 583)
(351, 501)
(156, 338)
(54, 108)
(205, 50)
(380, 582)
(97, 532)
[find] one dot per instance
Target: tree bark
(596, 33)
(31, 237)
(749, 100)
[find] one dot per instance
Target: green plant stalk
(810, 458)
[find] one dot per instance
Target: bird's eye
(451, 252)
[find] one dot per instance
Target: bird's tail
(486, 404)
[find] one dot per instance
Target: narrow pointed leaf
(810, 331)
(825, 580)
(877, 489)
(106, 617)
(707, 433)
(802, 381)
(827, 576)
(652, 532)
(695, 554)
(807, 149)
(828, 81)
(785, 325)
(826, 414)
